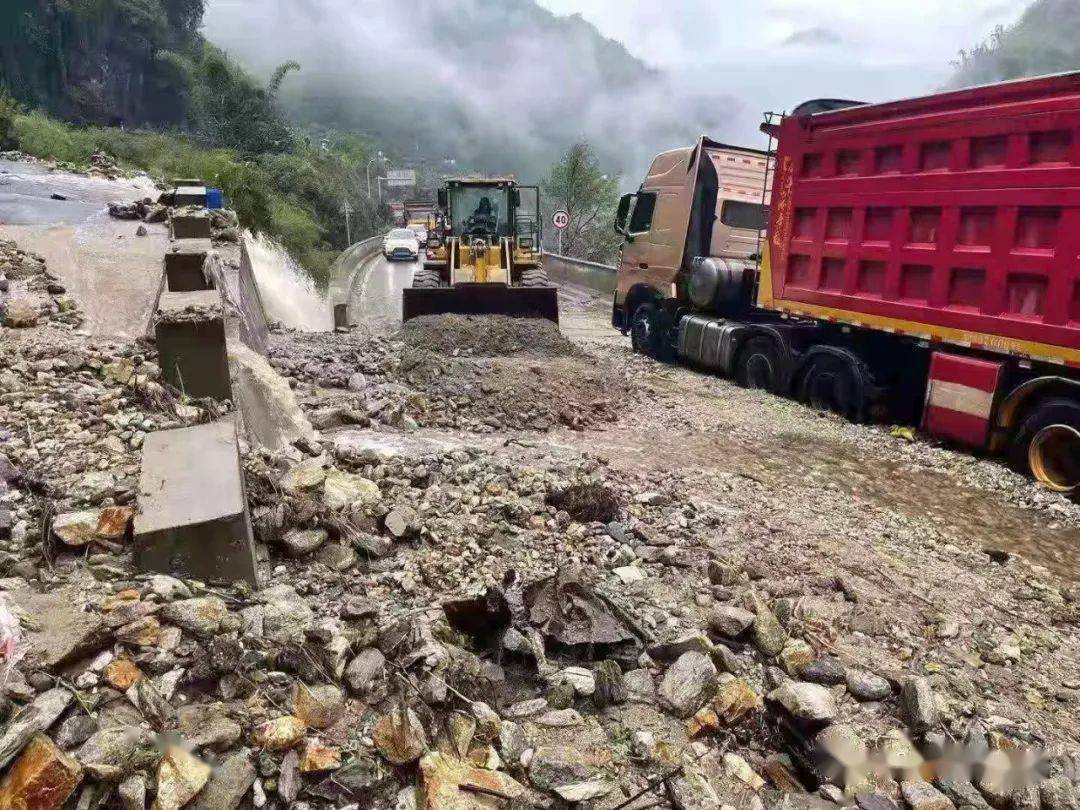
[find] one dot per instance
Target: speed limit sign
(560, 219)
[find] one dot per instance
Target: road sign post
(560, 219)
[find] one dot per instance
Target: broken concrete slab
(190, 332)
(191, 225)
(193, 519)
(184, 265)
(189, 195)
(272, 416)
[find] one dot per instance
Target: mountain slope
(500, 85)
(1046, 39)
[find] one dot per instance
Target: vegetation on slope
(1046, 39)
(107, 65)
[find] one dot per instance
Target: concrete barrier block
(193, 519)
(190, 332)
(191, 226)
(341, 316)
(190, 195)
(184, 266)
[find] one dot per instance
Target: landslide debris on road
(474, 622)
(482, 374)
(29, 294)
(487, 336)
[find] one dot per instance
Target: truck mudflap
(482, 299)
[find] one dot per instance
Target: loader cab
(481, 210)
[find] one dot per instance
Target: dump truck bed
(954, 217)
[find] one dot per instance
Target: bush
(43, 137)
(294, 197)
(8, 111)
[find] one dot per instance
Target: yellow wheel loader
(486, 257)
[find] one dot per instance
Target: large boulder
(688, 683)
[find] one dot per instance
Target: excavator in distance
(485, 259)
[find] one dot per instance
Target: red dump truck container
(921, 264)
(955, 218)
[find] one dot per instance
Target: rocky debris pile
(440, 633)
(145, 210)
(487, 336)
(29, 294)
(73, 417)
(104, 165)
(390, 383)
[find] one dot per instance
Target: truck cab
(706, 201)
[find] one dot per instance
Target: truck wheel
(647, 335)
(758, 365)
(1048, 445)
(426, 278)
(829, 385)
(535, 277)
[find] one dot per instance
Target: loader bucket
(482, 299)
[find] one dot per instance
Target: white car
(401, 243)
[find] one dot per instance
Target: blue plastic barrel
(215, 198)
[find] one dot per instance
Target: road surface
(113, 274)
(375, 301)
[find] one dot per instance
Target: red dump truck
(921, 264)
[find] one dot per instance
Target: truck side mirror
(442, 199)
(515, 198)
(622, 213)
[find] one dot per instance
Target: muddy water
(799, 464)
(288, 293)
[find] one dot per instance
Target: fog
(501, 86)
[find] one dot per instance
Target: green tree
(578, 185)
(230, 109)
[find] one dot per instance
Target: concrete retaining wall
(568, 270)
(343, 276)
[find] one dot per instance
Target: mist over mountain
(1046, 39)
(497, 85)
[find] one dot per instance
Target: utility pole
(346, 209)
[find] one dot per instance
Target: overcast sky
(773, 54)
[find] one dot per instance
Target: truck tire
(647, 334)
(829, 384)
(1047, 444)
(758, 365)
(535, 277)
(425, 278)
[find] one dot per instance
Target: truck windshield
(479, 211)
(748, 216)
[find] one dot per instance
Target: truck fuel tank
(709, 341)
(723, 285)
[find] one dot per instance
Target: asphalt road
(375, 299)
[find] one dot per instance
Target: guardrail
(343, 276)
(568, 270)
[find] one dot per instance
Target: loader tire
(535, 277)
(426, 279)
